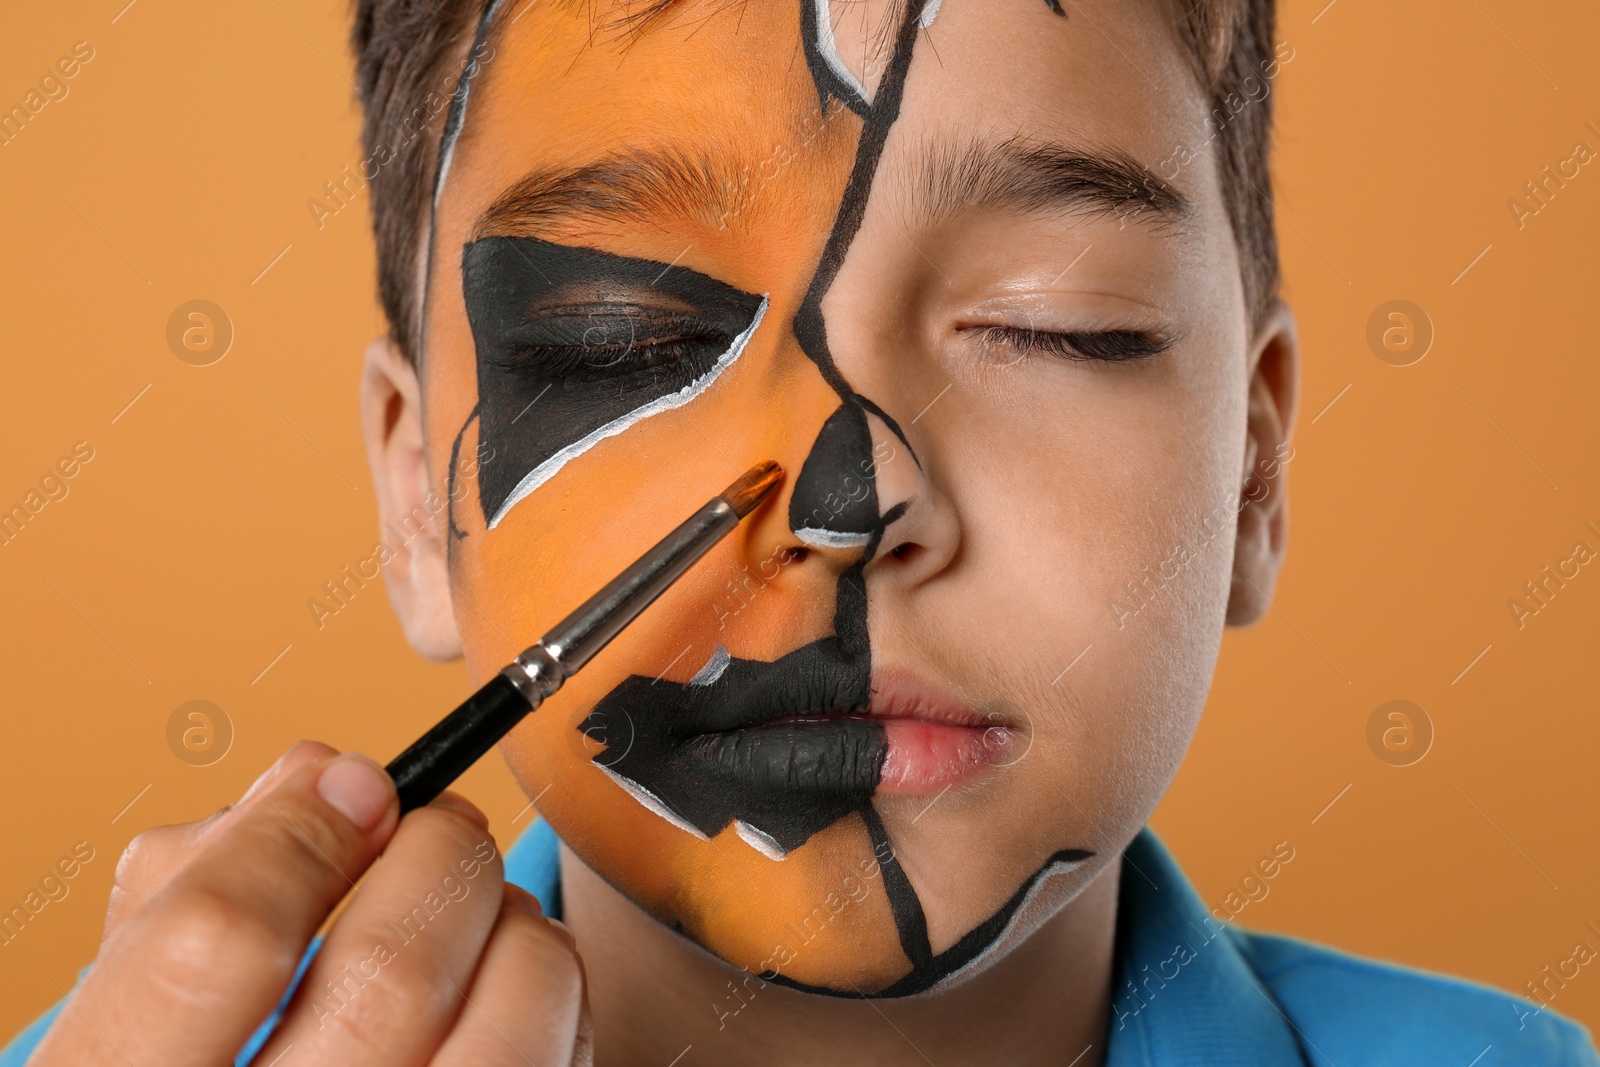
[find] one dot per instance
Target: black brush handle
(439, 756)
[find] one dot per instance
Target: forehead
(727, 87)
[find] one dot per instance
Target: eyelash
(1104, 346)
(670, 342)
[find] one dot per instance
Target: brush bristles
(752, 487)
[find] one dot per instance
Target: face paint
(601, 341)
(732, 750)
(727, 803)
(834, 504)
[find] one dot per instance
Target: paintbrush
(440, 756)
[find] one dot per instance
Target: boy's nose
(860, 491)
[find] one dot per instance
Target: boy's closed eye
(1107, 346)
(583, 343)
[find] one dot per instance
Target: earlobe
(1263, 487)
(411, 521)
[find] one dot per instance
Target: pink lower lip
(926, 757)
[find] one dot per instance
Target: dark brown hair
(410, 54)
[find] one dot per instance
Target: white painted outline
(714, 667)
(831, 538)
(828, 48)
(449, 150)
(1059, 867)
(763, 843)
(651, 802)
(828, 45)
(550, 467)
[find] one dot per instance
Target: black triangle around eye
(537, 413)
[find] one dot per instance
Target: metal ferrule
(536, 674)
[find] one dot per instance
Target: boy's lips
(935, 739)
(789, 747)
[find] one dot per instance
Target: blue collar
(1186, 991)
(1186, 988)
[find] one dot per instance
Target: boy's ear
(411, 515)
(1263, 514)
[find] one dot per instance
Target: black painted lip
(784, 747)
(829, 756)
(814, 684)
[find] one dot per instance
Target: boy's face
(922, 258)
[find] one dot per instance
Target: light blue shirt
(1192, 991)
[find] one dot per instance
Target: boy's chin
(844, 967)
(839, 918)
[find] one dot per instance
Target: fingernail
(358, 788)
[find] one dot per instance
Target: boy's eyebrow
(1033, 176)
(945, 179)
(642, 183)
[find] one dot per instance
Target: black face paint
(928, 969)
(780, 747)
(830, 82)
(574, 345)
(456, 532)
(834, 503)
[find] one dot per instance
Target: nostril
(798, 553)
(907, 550)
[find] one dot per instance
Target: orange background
(179, 167)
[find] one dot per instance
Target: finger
(155, 856)
(192, 973)
(296, 756)
(383, 988)
(527, 1003)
